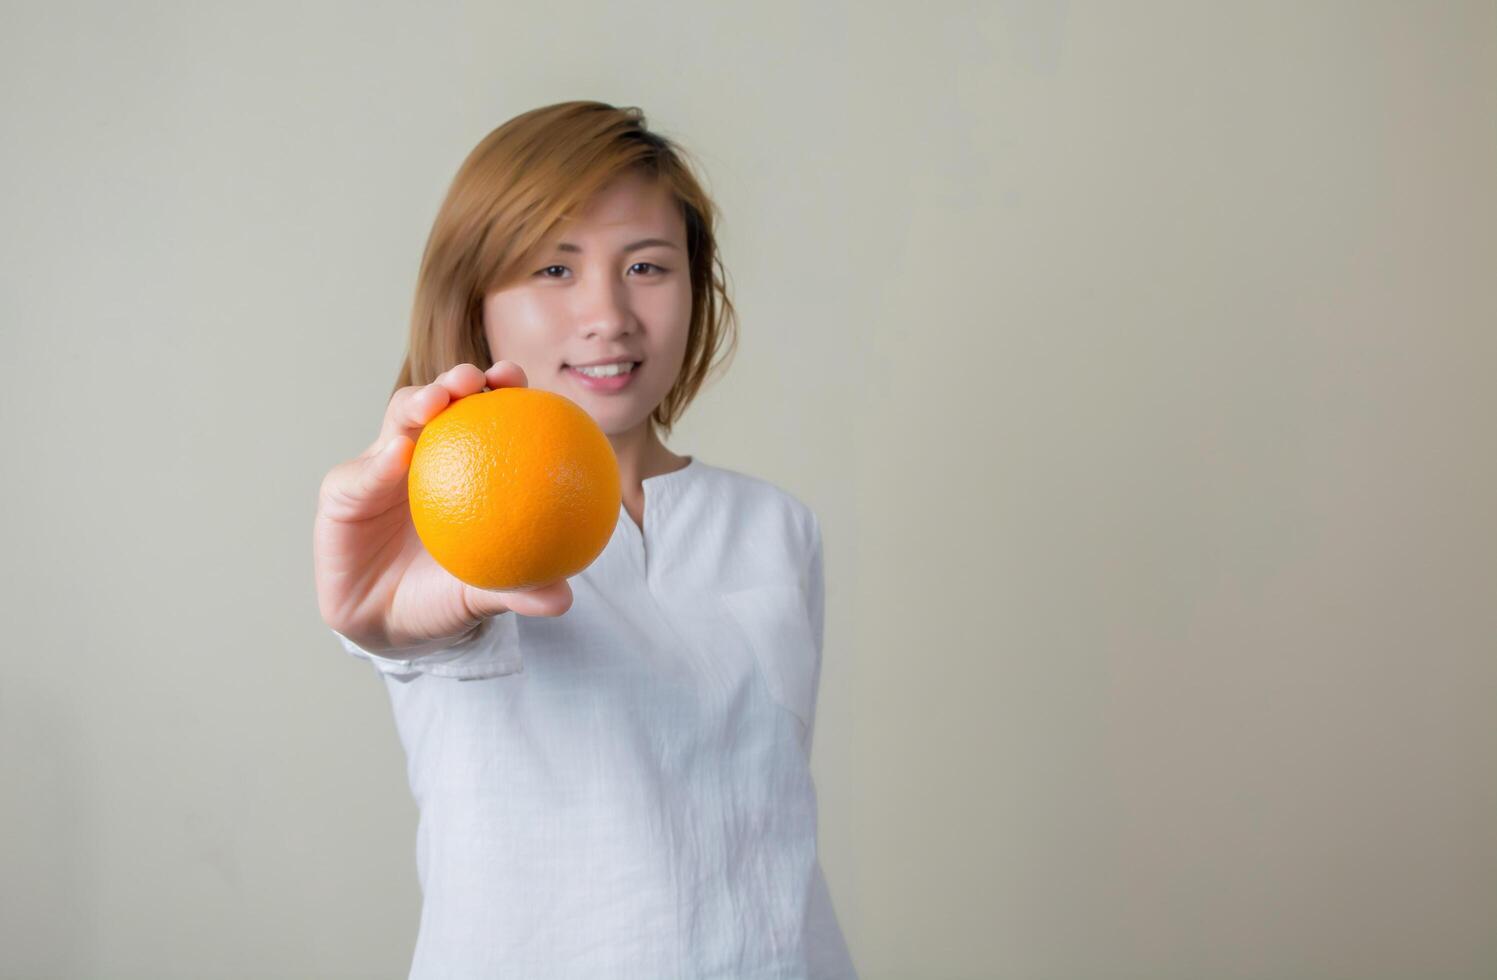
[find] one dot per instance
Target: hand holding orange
(514, 488)
(376, 582)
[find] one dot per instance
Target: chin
(613, 426)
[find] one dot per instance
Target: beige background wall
(1140, 360)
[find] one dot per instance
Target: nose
(606, 313)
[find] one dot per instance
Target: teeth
(607, 370)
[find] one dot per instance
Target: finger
(411, 408)
(407, 413)
(506, 374)
(368, 484)
(462, 380)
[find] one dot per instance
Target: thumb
(548, 600)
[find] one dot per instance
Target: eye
(659, 270)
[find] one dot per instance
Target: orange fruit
(514, 488)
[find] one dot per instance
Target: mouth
(608, 380)
(604, 363)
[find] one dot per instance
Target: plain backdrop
(1140, 361)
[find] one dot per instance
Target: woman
(613, 772)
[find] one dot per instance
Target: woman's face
(592, 298)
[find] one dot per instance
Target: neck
(642, 455)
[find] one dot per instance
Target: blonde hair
(514, 188)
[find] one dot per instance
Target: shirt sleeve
(491, 650)
(816, 607)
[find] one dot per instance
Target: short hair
(515, 187)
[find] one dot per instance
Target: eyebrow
(632, 247)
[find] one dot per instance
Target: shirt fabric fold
(625, 790)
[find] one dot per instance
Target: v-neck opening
(657, 489)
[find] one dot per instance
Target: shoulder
(770, 508)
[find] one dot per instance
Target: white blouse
(625, 790)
